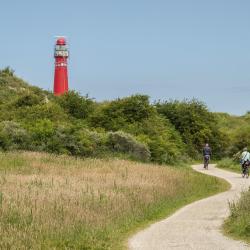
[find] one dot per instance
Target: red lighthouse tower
(61, 55)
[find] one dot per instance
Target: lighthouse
(61, 55)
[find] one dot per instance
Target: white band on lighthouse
(63, 64)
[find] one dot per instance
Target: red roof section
(61, 41)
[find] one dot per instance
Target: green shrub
(135, 115)
(67, 140)
(116, 114)
(41, 132)
(163, 140)
(13, 136)
(28, 100)
(75, 105)
(195, 124)
(5, 142)
(125, 143)
(172, 131)
(47, 111)
(240, 138)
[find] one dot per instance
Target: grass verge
(238, 224)
(229, 164)
(61, 202)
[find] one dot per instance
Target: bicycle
(245, 169)
(206, 161)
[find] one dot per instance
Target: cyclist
(207, 152)
(245, 162)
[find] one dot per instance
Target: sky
(165, 49)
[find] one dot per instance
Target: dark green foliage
(13, 136)
(41, 132)
(240, 139)
(82, 142)
(116, 114)
(76, 105)
(136, 116)
(163, 140)
(168, 132)
(237, 129)
(195, 124)
(51, 111)
(28, 100)
(125, 143)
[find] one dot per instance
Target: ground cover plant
(62, 202)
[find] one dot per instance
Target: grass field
(61, 202)
(238, 224)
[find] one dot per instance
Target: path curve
(196, 226)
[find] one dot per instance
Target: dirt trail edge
(197, 225)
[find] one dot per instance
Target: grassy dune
(61, 202)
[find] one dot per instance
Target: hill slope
(164, 132)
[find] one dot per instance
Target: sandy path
(195, 226)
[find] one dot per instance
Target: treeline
(163, 132)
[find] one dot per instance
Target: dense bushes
(44, 135)
(164, 132)
(237, 129)
(13, 136)
(135, 115)
(28, 100)
(116, 114)
(240, 139)
(195, 124)
(75, 105)
(125, 143)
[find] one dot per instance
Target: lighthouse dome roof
(61, 41)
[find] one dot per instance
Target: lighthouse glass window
(61, 50)
(61, 47)
(61, 53)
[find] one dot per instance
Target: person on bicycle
(245, 160)
(207, 152)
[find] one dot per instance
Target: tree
(195, 124)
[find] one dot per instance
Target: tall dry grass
(60, 202)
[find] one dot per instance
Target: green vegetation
(238, 224)
(196, 125)
(237, 130)
(229, 164)
(94, 204)
(164, 132)
(61, 202)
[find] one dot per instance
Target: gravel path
(198, 225)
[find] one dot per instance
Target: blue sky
(166, 49)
